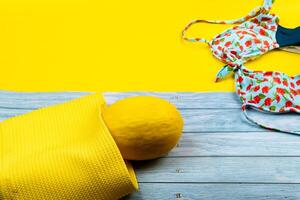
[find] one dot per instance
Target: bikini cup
(254, 36)
(245, 42)
(269, 91)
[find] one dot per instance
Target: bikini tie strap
(265, 8)
(269, 127)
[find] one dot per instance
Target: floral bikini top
(256, 34)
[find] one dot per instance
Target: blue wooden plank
(236, 144)
(188, 191)
(35, 100)
(220, 169)
(231, 120)
(199, 120)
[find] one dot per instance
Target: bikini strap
(244, 109)
(265, 8)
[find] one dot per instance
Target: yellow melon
(143, 127)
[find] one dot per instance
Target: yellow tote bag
(62, 152)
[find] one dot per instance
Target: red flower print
(265, 89)
(277, 98)
(268, 101)
(227, 44)
(268, 73)
(298, 107)
(265, 19)
(240, 92)
(281, 109)
(277, 73)
(255, 20)
(262, 32)
(220, 48)
(256, 88)
(292, 85)
(257, 41)
(241, 48)
(273, 28)
(285, 83)
(243, 107)
(298, 82)
(294, 92)
(266, 43)
(248, 87)
(256, 99)
(280, 91)
(277, 80)
(293, 110)
(288, 104)
(217, 42)
(240, 79)
(234, 53)
(248, 43)
(263, 50)
(298, 91)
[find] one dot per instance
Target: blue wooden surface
(220, 156)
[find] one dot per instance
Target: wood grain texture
(231, 120)
(220, 169)
(220, 155)
(236, 144)
(178, 191)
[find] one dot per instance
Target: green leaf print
(230, 69)
(262, 96)
(273, 108)
(286, 91)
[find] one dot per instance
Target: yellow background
(122, 45)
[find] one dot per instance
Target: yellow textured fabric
(62, 152)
